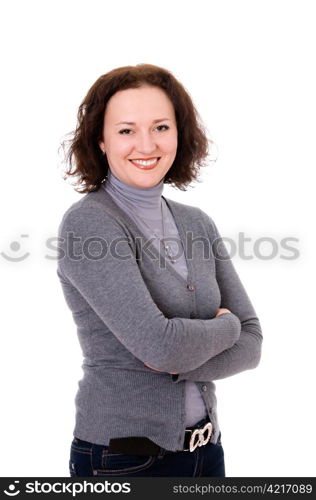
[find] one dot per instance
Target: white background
(249, 67)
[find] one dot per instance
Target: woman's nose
(145, 143)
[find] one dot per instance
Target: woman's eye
(166, 126)
(122, 132)
(125, 130)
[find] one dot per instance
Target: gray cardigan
(131, 307)
(146, 207)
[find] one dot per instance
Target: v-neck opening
(130, 221)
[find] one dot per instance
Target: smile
(145, 164)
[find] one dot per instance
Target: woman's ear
(101, 144)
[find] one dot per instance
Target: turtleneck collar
(143, 198)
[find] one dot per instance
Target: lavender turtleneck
(147, 204)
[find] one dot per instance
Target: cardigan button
(190, 287)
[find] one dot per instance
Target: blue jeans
(88, 459)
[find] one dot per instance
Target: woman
(160, 310)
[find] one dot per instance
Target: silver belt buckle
(201, 439)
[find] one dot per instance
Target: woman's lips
(145, 167)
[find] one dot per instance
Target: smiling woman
(150, 145)
(158, 318)
(160, 106)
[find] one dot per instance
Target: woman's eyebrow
(133, 123)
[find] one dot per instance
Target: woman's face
(140, 124)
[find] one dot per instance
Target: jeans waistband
(198, 424)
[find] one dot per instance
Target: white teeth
(145, 162)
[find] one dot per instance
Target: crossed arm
(116, 279)
(245, 353)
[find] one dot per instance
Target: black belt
(194, 437)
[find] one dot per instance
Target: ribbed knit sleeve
(98, 259)
(245, 354)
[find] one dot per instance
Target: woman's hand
(160, 371)
(219, 312)
(222, 311)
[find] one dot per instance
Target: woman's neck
(148, 199)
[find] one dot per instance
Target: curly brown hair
(84, 155)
